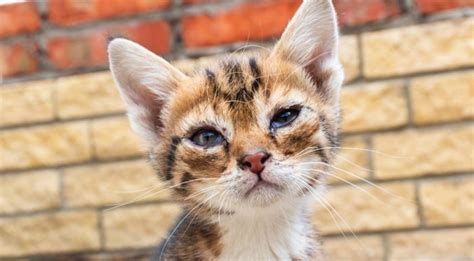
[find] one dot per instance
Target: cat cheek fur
(240, 92)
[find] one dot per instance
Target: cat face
(252, 130)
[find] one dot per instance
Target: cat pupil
(284, 118)
(207, 138)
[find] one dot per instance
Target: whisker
(157, 185)
(346, 224)
(369, 150)
(310, 189)
(150, 193)
(368, 182)
(355, 186)
(352, 163)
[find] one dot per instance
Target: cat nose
(255, 162)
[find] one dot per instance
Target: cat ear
(145, 81)
(311, 41)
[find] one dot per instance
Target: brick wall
(67, 154)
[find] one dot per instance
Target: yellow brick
(26, 103)
(112, 184)
(374, 106)
(420, 48)
(391, 207)
(44, 146)
(349, 56)
(453, 244)
(87, 95)
(352, 161)
(448, 202)
(113, 138)
(416, 153)
(29, 191)
(443, 98)
(49, 233)
(367, 248)
(142, 226)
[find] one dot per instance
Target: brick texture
(82, 96)
(368, 248)
(113, 138)
(455, 244)
(349, 56)
(44, 146)
(432, 6)
(112, 184)
(358, 12)
(418, 153)
(429, 101)
(448, 202)
(352, 161)
(348, 209)
(72, 12)
(410, 49)
(26, 103)
(30, 191)
(373, 106)
(66, 231)
(262, 20)
(142, 226)
(89, 48)
(18, 18)
(18, 58)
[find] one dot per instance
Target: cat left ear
(311, 41)
(146, 82)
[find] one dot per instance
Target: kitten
(245, 143)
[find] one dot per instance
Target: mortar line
(27, 214)
(386, 246)
(419, 208)
(101, 229)
(409, 102)
(370, 157)
(392, 231)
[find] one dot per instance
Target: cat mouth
(261, 186)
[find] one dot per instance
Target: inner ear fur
(145, 82)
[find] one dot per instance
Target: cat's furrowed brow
(237, 82)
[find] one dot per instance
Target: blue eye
(284, 118)
(207, 138)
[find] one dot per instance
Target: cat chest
(271, 242)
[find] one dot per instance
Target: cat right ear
(145, 81)
(311, 41)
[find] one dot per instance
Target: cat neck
(280, 232)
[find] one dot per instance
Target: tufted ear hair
(311, 41)
(146, 82)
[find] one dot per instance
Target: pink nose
(255, 162)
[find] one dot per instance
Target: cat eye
(207, 138)
(284, 118)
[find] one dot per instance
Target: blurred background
(73, 180)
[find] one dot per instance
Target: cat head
(251, 130)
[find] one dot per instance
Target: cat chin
(263, 194)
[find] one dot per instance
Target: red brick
(89, 49)
(18, 18)
(432, 6)
(246, 22)
(71, 12)
(18, 58)
(358, 12)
